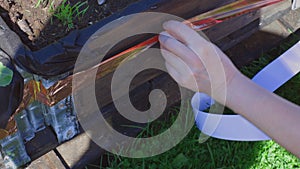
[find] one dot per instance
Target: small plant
(43, 3)
(6, 75)
(51, 7)
(38, 3)
(67, 13)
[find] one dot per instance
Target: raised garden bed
(226, 35)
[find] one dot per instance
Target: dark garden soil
(37, 26)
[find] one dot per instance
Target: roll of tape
(236, 127)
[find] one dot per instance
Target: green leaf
(179, 161)
(6, 75)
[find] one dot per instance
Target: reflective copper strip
(36, 91)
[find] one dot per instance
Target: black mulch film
(53, 60)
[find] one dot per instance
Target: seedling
(41, 2)
(38, 3)
(67, 13)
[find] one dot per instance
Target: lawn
(215, 153)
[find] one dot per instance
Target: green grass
(38, 3)
(215, 153)
(67, 13)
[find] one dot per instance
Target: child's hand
(199, 65)
(194, 62)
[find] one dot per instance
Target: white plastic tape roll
(235, 127)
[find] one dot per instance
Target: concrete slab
(273, 12)
(291, 20)
(47, 161)
(276, 28)
(80, 151)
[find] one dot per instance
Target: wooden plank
(47, 161)
(107, 68)
(236, 37)
(248, 43)
(103, 86)
(189, 8)
(82, 151)
(267, 15)
(184, 9)
(260, 42)
(56, 94)
(225, 28)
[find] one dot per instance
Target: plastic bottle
(64, 120)
(13, 152)
(36, 111)
(24, 126)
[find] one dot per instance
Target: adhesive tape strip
(235, 127)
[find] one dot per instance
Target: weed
(44, 3)
(51, 7)
(67, 13)
(39, 2)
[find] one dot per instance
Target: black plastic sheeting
(60, 57)
(11, 95)
(53, 60)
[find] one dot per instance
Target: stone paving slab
(79, 152)
(271, 13)
(47, 161)
(291, 20)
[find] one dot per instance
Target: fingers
(183, 33)
(206, 53)
(202, 48)
(177, 63)
(191, 60)
(173, 72)
(178, 49)
(183, 76)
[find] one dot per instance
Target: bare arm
(276, 116)
(188, 54)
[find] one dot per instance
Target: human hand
(194, 62)
(201, 66)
